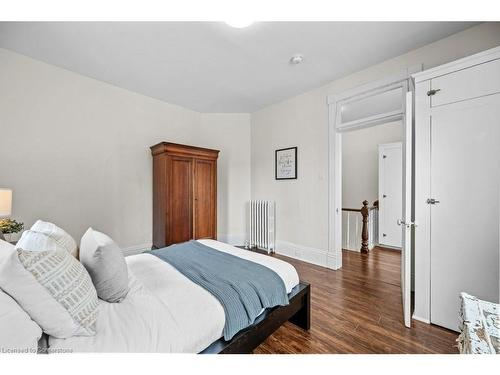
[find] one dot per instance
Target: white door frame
(335, 129)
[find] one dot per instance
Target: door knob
(433, 92)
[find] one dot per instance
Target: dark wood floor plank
(357, 310)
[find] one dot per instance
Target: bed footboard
(302, 318)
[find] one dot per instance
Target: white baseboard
(353, 250)
(390, 247)
(421, 319)
(332, 262)
(304, 253)
(232, 239)
(137, 249)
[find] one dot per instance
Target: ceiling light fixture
(239, 23)
(296, 59)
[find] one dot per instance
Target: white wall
(76, 151)
(360, 162)
(302, 205)
(230, 133)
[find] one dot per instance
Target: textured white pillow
(52, 287)
(18, 333)
(106, 265)
(58, 234)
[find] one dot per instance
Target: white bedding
(18, 333)
(164, 311)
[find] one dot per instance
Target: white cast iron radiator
(262, 225)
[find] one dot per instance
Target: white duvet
(164, 311)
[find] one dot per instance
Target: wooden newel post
(364, 232)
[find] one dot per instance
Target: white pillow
(35, 241)
(52, 287)
(18, 333)
(106, 265)
(58, 234)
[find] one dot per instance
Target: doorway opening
(372, 105)
(372, 185)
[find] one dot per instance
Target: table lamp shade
(5, 202)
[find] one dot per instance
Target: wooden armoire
(184, 193)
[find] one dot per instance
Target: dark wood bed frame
(298, 311)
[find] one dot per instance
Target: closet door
(465, 179)
(205, 194)
(179, 196)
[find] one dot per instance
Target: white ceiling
(211, 67)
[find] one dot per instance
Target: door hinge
(432, 92)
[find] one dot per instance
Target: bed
(166, 312)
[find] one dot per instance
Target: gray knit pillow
(106, 265)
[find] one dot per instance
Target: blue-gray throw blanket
(243, 288)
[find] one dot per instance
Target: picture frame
(285, 163)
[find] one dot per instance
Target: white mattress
(164, 311)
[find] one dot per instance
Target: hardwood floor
(357, 310)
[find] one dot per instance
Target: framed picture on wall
(285, 161)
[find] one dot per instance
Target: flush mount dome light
(239, 23)
(296, 59)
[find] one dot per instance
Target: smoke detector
(296, 59)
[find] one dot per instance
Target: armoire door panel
(204, 199)
(180, 185)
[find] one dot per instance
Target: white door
(406, 222)
(465, 177)
(390, 193)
